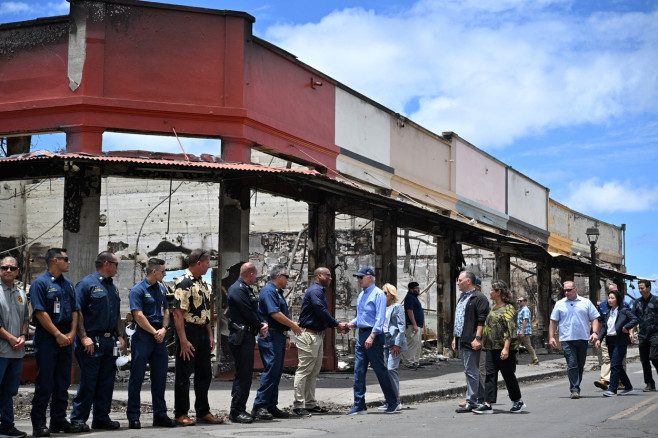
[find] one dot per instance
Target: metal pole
(593, 282)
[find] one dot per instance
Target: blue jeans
(575, 352)
(375, 357)
(617, 372)
(272, 351)
(10, 378)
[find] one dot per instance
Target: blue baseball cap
(365, 270)
(478, 281)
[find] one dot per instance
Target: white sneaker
(383, 407)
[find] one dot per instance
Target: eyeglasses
(285, 275)
(521, 301)
(114, 263)
(569, 290)
(9, 268)
(66, 259)
(161, 271)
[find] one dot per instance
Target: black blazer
(625, 318)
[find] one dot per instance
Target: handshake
(343, 327)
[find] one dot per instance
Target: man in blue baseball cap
(370, 317)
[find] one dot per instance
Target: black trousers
(243, 355)
(645, 358)
(200, 366)
(507, 368)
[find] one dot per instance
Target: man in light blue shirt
(369, 321)
(574, 315)
(524, 329)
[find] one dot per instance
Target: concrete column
(322, 253)
(234, 211)
(386, 259)
(544, 304)
(446, 269)
(82, 201)
(502, 266)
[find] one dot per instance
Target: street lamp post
(593, 237)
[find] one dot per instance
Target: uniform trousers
(97, 372)
(243, 355)
(272, 350)
(145, 350)
(53, 379)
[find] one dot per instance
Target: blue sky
(564, 91)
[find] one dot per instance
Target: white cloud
(10, 8)
(491, 71)
(593, 196)
(36, 9)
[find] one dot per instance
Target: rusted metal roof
(205, 161)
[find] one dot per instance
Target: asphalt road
(550, 413)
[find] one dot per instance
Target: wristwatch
(373, 336)
(479, 338)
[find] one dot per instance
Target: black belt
(102, 334)
(365, 329)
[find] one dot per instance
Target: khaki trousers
(309, 352)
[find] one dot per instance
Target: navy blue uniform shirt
(98, 299)
(47, 289)
(314, 313)
(243, 305)
(271, 300)
(150, 299)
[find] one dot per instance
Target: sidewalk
(334, 389)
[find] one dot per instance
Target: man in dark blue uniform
(273, 309)
(99, 331)
(415, 319)
(150, 310)
(244, 325)
(56, 318)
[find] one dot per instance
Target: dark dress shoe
(242, 417)
(318, 410)
(11, 431)
(261, 414)
(82, 427)
(278, 413)
(105, 425)
(301, 412)
(134, 423)
(164, 422)
(65, 427)
(40, 431)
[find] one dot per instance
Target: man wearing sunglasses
(99, 330)
(56, 320)
(573, 315)
(14, 320)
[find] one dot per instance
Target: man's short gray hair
(277, 270)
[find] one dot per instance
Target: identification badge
(56, 307)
